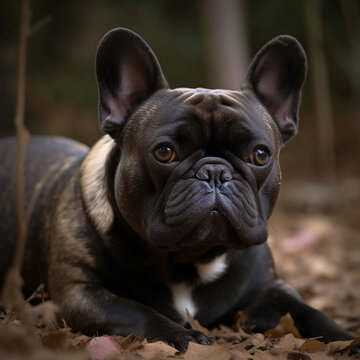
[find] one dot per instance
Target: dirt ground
(316, 249)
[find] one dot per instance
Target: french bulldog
(167, 213)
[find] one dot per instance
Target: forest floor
(316, 250)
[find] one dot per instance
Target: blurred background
(209, 43)
(205, 43)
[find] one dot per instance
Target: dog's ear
(276, 75)
(127, 73)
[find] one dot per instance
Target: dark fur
(114, 230)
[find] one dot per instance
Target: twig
(39, 25)
(22, 136)
(39, 291)
(12, 291)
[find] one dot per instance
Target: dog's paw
(355, 350)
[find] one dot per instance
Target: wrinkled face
(199, 171)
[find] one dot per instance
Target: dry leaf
(287, 323)
(355, 342)
(195, 325)
(255, 342)
(207, 352)
(131, 343)
(156, 350)
(265, 355)
(285, 326)
(241, 323)
(56, 339)
(78, 342)
(15, 339)
(241, 354)
(312, 346)
(294, 355)
(228, 334)
(289, 342)
(337, 346)
(323, 356)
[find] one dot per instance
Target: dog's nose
(216, 173)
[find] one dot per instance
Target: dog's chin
(211, 237)
(205, 236)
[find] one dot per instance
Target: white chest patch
(212, 270)
(183, 300)
(182, 293)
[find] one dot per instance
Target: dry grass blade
(12, 291)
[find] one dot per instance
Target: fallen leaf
(355, 342)
(255, 342)
(195, 325)
(16, 339)
(131, 343)
(265, 355)
(289, 342)
(156, 350)
(79, 342)
(241, 354)
(312, 346)
(287, 323)
(241, 323)
(323, 356)
(294, 355)
(56, 339)
(285, 326)
(205, 352)
(337, 346)
(228, 334)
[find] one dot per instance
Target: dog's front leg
(94, 310)
(279, 299)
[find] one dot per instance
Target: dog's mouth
(211, 229)
(197, 217)
(212, 236)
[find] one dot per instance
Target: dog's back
(49, 163)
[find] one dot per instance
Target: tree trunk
(226, 42)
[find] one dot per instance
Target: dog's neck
(94, 189)
(97, 172)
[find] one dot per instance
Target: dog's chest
(183, 300)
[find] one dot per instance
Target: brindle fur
(114, 232)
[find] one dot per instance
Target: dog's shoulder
(93, 184)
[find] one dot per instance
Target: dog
(167, 213)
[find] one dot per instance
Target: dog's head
(199, 168)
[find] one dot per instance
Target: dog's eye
(164, 154)
(259, 157)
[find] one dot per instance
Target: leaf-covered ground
(317, 254)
